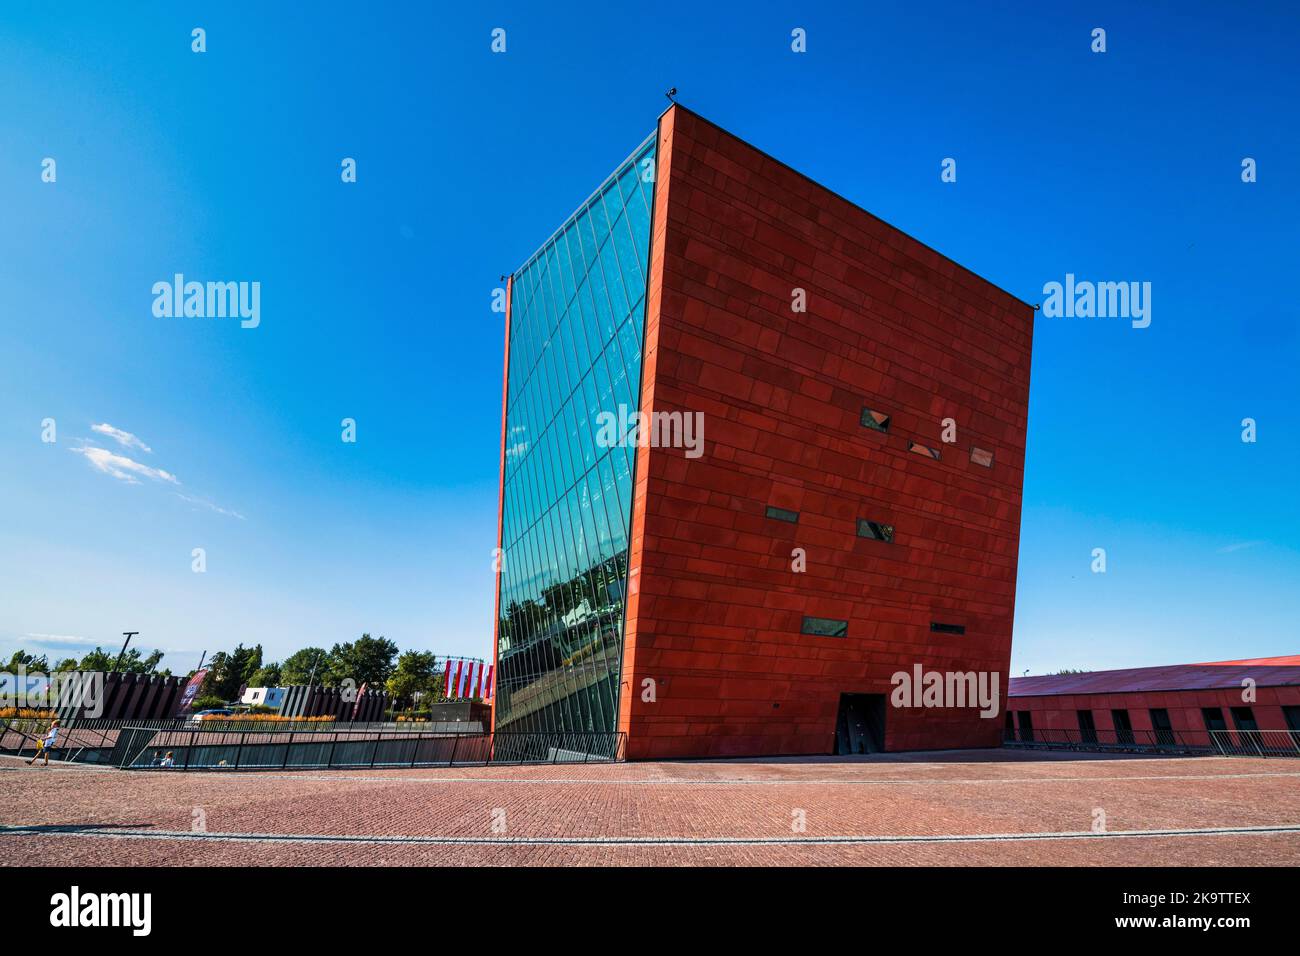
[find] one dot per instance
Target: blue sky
(376, 295)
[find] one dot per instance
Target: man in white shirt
(48, 743)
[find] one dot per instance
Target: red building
(854, 510)
(1184, 704)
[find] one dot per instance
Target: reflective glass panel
(576, 325)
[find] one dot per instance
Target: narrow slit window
(878, 421)
(876, 530)
(938, 627)
(981, 456)
(919, 449)
(825, 627)
(782, 514)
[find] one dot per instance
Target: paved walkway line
(187, 835)
(207, 777)
(349, 776)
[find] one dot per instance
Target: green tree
(367, 660)
(228, 672)
(218, 666)
(133, 661)
(416, 673)
(96, 660)
(309, 665)
(266, 676)
(28, 661)
(249, 662)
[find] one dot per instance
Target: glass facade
(577, 318)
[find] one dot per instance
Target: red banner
(465, 679)
(191, 691)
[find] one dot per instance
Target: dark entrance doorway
(860, 728)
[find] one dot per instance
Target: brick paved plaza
(959, 808)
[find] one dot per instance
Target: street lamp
(128, 635)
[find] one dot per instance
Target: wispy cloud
(130, 471)
(204, 503)
(123, 438)
(121, 467)
(68, 639)
(1239, 546)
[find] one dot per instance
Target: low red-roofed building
(1192, 705)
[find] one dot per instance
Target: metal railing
(1116, 740)
(75, 743)
(145, 748)
(93, 739)
(1242, 743)
(1255, 743)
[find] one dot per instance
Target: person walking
(48, 743)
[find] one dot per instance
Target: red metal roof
(1265, 671)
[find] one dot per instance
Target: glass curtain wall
(576, 326)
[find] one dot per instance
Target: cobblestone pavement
(960, 808)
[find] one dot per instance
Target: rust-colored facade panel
(887, 325)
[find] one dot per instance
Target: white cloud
(204, 503)
(125, 439)
(1240, 546)
(131, 471)
(60, 639)
(121, 467)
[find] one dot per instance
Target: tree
(367, 660)
(266, 676)
(27, 661)
(96, 660)
(133, 662)
(248, 662)
(416, 673)
(228, 672)
(218, 666)
(309, 665)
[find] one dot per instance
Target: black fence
(92, 740)
(85, 741)
(148, 748)
(1116, 741)
(1227, 743)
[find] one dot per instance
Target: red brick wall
(715, 610)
